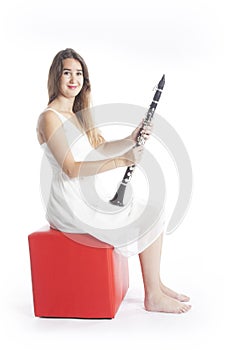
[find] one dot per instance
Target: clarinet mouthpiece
(162, 82)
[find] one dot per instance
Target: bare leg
(155, 298)
(168, 291)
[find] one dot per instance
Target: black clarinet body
(118, 199)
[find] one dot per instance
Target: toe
(182, 297)
(185, 308)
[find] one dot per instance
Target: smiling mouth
(73, 87)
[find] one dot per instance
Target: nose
(73, 78)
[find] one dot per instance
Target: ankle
(153, 295)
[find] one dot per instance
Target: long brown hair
(82, 101)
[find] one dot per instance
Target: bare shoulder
(48, 122)
(48, 118)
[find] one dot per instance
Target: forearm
(90, 168)
(113, 148)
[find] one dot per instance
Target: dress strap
(60, 116)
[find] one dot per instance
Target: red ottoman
(75, 275)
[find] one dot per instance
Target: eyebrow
(78, 70)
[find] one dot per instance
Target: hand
(145, 132)
(133, 156)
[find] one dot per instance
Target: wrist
(130, 138)
(121, 162)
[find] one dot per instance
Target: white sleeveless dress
(74, 206)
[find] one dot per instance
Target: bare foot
(164, 303)
(172, 294)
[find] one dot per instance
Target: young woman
(68, 110)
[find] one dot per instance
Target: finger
(140, 148)
(146, 132)
(146, 129)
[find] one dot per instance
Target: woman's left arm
(112, 148)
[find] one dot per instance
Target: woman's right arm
(51, 131)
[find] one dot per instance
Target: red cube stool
(76, 275)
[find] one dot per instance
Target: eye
(66, 72)
(80, 73)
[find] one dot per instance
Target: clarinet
(119, 196)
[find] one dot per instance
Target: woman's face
(71, 81)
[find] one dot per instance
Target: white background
(127, 45)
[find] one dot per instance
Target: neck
(64, 104)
